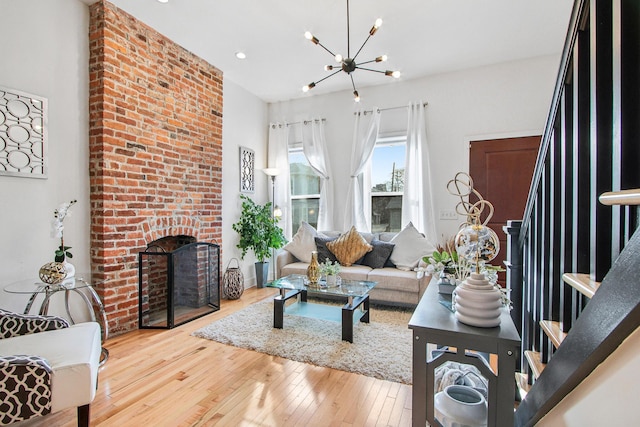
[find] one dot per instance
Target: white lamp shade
(271, 171)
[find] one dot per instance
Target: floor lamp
(275, 211)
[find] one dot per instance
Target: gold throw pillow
(349, 247)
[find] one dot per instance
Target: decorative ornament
(233, 280)
(476, 301)
(52, 273)
(313, 271)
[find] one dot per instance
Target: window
(305, 188)
(387, 178)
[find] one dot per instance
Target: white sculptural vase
(477, 302)
(460, 406)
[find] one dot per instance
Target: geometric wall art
(247, 170)
(23, 134)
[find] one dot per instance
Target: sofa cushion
(349, 247)
(410, 247)
(294, 268)
(394, 279)
(303, 243)
(323, 252)
(378, 257)
(355, 272)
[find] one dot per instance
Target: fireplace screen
(179, 285)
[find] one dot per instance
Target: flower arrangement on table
(330, 270)
(58, 270)
(57, 230)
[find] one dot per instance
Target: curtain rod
(306, 122)
(388, 108)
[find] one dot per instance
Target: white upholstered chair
(46, 366)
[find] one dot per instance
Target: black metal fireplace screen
(177, 286)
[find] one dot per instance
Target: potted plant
(330, 271)
(259, 231)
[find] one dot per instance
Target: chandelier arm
(368, 62)
(348, 33)
(369, 69)
(326, 77)
(352, 83)
(322, 46)
(365, 42)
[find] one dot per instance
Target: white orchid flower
(420, 271)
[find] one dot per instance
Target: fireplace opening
(179, 281)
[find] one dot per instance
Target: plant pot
(262, 273)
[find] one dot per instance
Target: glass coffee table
(296, 286)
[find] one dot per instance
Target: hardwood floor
(169, 378)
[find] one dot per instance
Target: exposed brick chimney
(155, 151)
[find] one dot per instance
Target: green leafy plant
(329, 268)
(62, 252)
(258, 229)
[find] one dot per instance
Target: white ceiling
(421, 37)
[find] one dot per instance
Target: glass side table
(78, 285)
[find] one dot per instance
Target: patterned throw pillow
(14, 324)
(349, 247)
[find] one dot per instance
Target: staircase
(574, 260)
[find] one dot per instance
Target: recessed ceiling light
(163, 1)
(241, 55)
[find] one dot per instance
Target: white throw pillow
(410, 247)
(303, 242)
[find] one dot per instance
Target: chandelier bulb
(394, 74)
(328, 67)
(309, 36)
(375, 27)
(339, 58)
(382, 58)
(308, 87)
(356, 96)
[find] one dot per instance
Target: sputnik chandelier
(349, 64)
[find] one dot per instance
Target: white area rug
(380, 349)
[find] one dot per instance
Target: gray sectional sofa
(395, 286)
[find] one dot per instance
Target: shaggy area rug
(380, 349)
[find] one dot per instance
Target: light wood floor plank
(170, 378)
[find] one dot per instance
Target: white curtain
(314, 147)
(358, 206)
(278, 157)
(417, 199)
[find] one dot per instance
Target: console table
(433, 323)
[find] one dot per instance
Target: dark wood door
(502, 170)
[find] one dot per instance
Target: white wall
(45, 52)
(245, 124)
(510, 99)
(608, 396)
(44, 45)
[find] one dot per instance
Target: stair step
(535, 362)
(623, 197)
(582, 282)
(553, 331)
(522, 385)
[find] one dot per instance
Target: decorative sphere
(52, 272)
(477, 243)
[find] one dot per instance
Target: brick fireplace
(155, 151)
